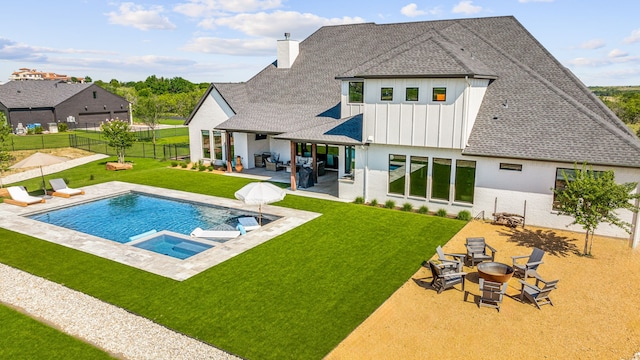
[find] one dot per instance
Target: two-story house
(468, 114)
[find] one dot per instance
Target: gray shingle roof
(550, 114)
(37, 93)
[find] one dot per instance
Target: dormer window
(412, 94)
(386, 94)
(356, 91)
(439, 94)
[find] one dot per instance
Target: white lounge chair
(215, 234)
(20, 197)
(249, 223)
(61, 189)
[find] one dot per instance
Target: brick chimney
(287, 51)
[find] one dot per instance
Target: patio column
(314, 150)
(293, 167)
(228, 150)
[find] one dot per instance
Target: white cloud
(412, 10)
(593, 44)
(11, 50)
(246, 47)
(589, 62)
(205, 8)
(466, 7)
(617, 53)
(274, 24)
(634, 37)
(130, 14)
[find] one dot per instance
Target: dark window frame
(386, 93)
(413, 98)
(439, 94)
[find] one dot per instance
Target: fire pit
(494, 271)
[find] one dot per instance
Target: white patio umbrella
(259, 193)
(38, 159)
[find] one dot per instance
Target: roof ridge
(579, 106)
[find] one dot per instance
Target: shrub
(390, 204)
(210, 167)
(38, 130)
(359, 200)
(423, 209)
(174, 163)
(202, 168)
(184, 165)
(441, 213)
(374, 202)
(407, 207)
(62, 127)
(464, 215)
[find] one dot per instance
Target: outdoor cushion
(249, 223)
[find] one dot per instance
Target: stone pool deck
(13, 218)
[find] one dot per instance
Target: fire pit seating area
(493, 276)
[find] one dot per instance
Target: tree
(5, 155)
(592, 198)
(148, 109)
(119, 136)
(88, 79)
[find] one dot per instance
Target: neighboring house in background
(33, 74)
(468, 114)
(49, 101)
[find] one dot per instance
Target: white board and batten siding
(438, 124)
(213, 111)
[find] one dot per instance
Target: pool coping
(13, 218)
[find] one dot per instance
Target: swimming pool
(122, 217)
(18, 219)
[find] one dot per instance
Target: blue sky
(231, 40)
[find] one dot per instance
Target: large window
(418, 176)
(465, 180)
(206, 144)
(356, 91)
(217, 145)
(397, 173)
(441, 179)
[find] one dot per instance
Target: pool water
(122, 217)
(173, 246)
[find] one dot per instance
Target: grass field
(295, 297)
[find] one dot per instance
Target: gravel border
(108, 327)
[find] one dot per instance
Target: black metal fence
(139, 150)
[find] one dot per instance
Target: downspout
(634, 238)
(465, 114)
(366, 172)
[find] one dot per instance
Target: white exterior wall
(510, 189)
(424, 122)
(213, 111)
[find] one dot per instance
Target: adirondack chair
(538, 296)
(491, 293)
(445, 278)
(456, 261)
(477, 251)
(530, 267)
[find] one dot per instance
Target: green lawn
(295, 297)
(22, 337)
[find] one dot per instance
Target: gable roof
(534, 108)
(37, 93)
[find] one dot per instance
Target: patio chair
(530, 267)
(491, 293)
(249, 223)
(477, 251)
(445, 278)
(538, 296)
(20, 197)
(61, 189)
(455, 263)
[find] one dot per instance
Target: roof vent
(287, 51)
